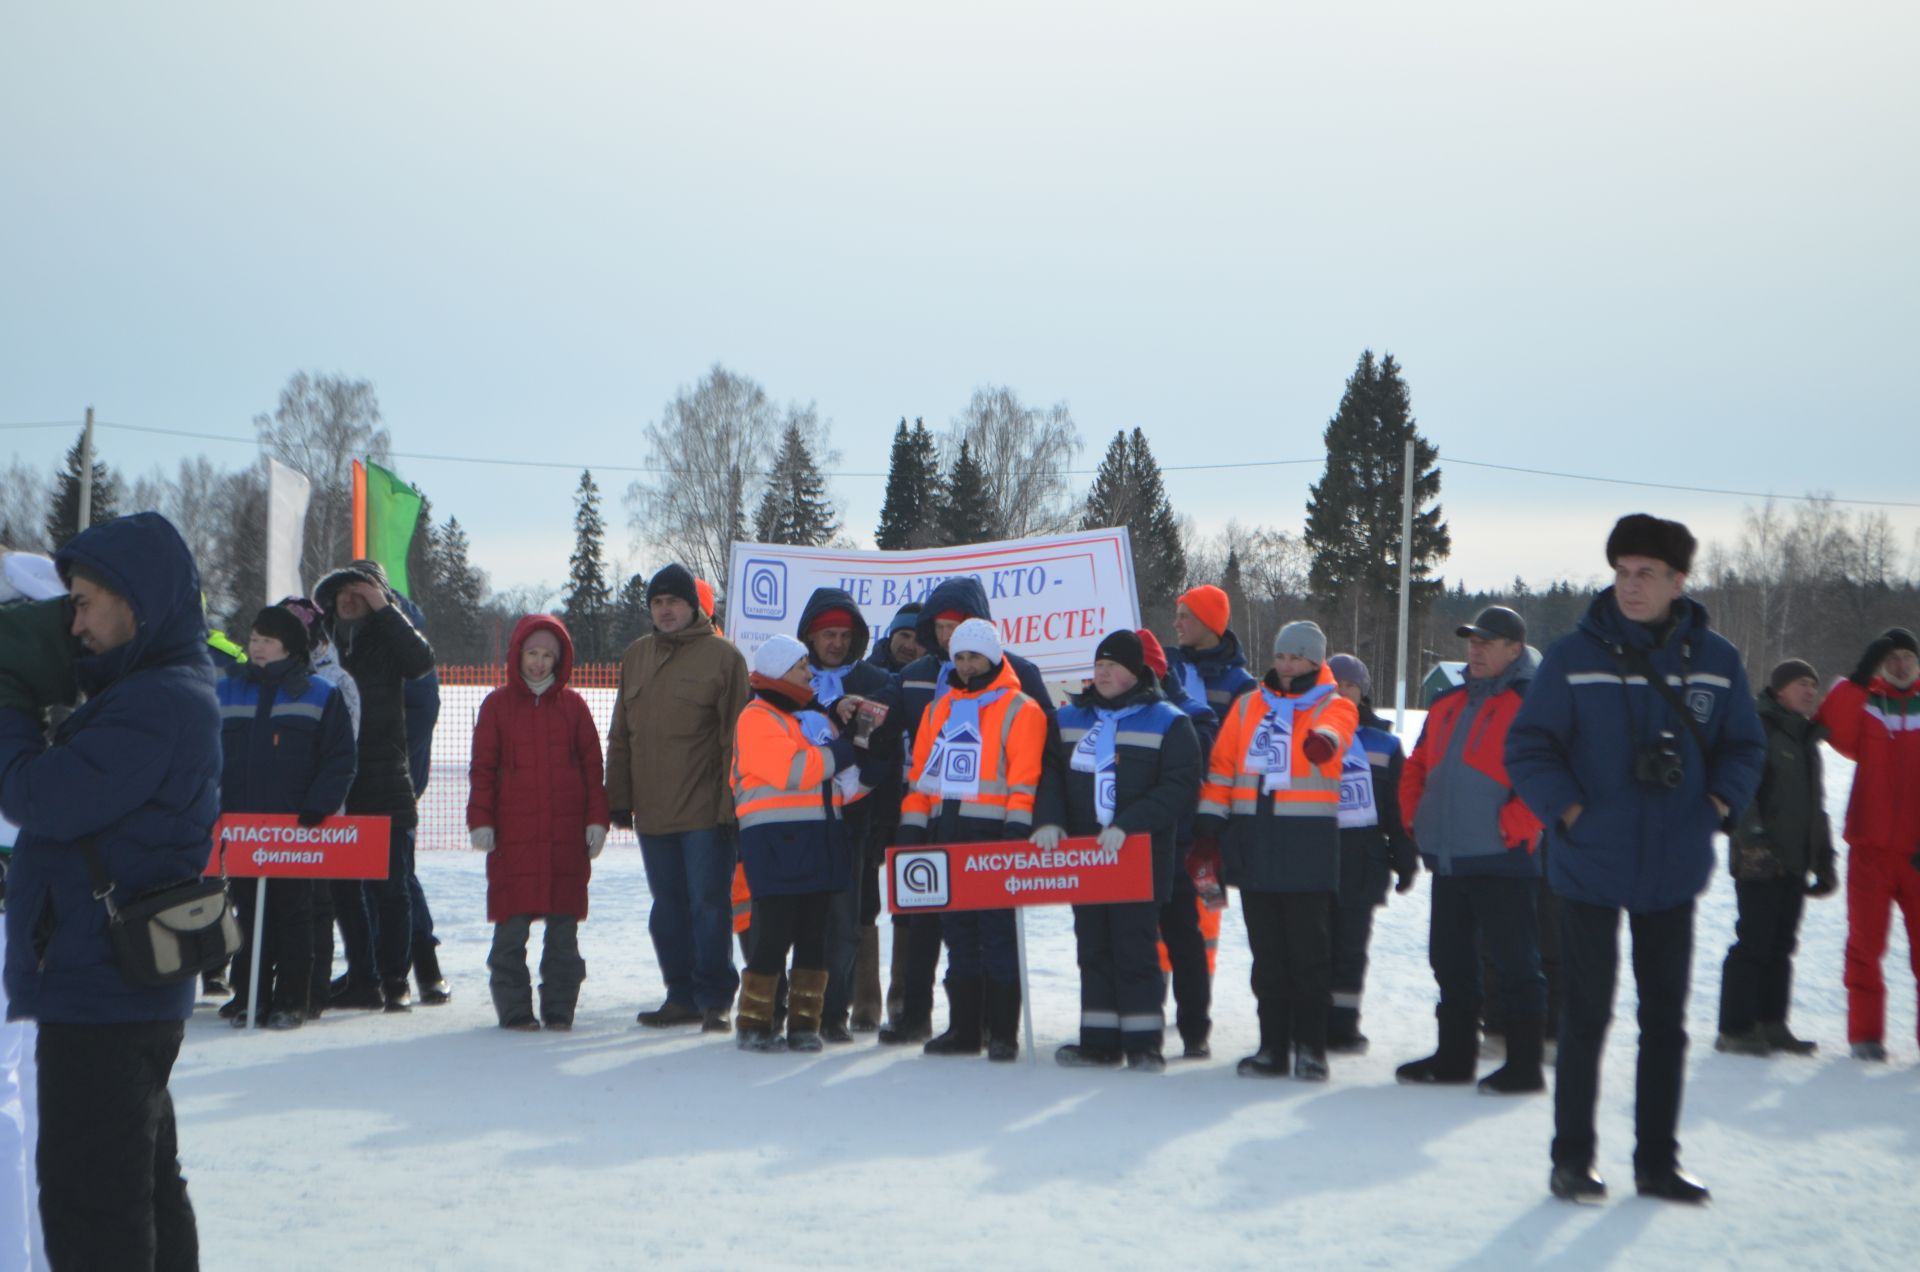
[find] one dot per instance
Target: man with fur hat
(381, 650)
(1637, 741)
(1272, 800)
(1781, 854)
(135, 773)
(669, 755)
(1873, 718)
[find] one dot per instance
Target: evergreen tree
(631, 619)
(967, 515)
(910, 515)
(795, 509)
(588, 598)
(1353, 514)
(63, 518)
(459, 628)
(1128, 491)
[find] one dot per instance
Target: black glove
(1406, 865)
(1824, 883)
(622, 818)
(311, 816)
(1870, 661)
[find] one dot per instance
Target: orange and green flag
(385, 512)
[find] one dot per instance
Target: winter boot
(513, 1008)
(396, 995)
(1265, 1064)
(898, 1033)
(1003, 1021)
(1781, 1038)
(962, 1038)
(1671, 1184)
(426, 971)
(358, 995)
(866, 983)
(1343, 1032)
(896, 973)
(755, 1024)
(1453, 1063)
(556, 1009)
(1872, 1051)
(1309, 1063)
(1520, 1075)
(1077, 1056)
(1146, 1060)
(1193, 1046)
(1577, 1183)
(804, 1006)
(833, 1028)
(1750, 1042)
(284, 1020)
(670, 1013)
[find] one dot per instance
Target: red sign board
(994, 876)
(277, 846)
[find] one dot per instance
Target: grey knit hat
(1303, 640)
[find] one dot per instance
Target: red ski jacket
(1878, 728)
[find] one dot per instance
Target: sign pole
(253, 974)
(1026, 990)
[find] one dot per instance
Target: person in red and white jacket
(1873, 718)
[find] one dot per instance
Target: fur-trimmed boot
(865, 1017)
(753, 1022)
(805, 1001)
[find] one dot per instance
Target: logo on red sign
(277, 846)
(994, 876)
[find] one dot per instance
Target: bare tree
(711, 449)
(1024, 454)
(323, 424)
(25, 492)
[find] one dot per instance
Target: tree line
(726, 463)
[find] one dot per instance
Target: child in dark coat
(537, 808)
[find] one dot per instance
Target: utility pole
(86, 476)
(1406, 585)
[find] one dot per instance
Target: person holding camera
(132, 778)
(1637, 741)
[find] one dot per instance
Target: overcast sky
(1667, 241)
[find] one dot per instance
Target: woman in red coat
(538, 809)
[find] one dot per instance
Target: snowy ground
(436, 1140)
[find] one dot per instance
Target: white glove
(1111, 838)
(481, 837)
(1047, 837)
(596, 840)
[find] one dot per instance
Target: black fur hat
(1638, 534)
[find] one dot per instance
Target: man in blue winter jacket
(136, 771)
(1637, 741)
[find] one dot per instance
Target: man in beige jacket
(669, 754)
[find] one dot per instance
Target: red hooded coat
(536, 778)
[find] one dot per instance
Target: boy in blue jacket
(287, 746)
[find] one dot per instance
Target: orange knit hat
(1210, 605)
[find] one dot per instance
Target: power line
(491, 461)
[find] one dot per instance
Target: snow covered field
(436, 1140)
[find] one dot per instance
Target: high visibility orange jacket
(1012, 756)
(792, 838)
(1284, 840)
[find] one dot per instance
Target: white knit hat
(776, 658)
(975, 636)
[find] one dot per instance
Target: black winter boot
(397, 995)
(426, 971)
(1309, 1063)
(1520, 1075)
(1343, 1032)
(1003, 1021)
(962, 1038)
(1265, 1064)
(1076, 1056)
(1455, 1060)
(1781, 1038)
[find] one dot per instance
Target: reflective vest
(1313, 789)
(1012, 742)
(778, 775)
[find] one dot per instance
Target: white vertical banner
(287, 494)
(1053, 598)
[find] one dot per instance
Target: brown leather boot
(806, 998)
(866, 983)
(753, 1023)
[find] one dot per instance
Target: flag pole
(359, 511)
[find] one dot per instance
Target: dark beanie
(1638, 534)
(284, 626)
(1789, 671)
(905, 619)
(1124, 647)
(1901, 638)
(674, 580)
